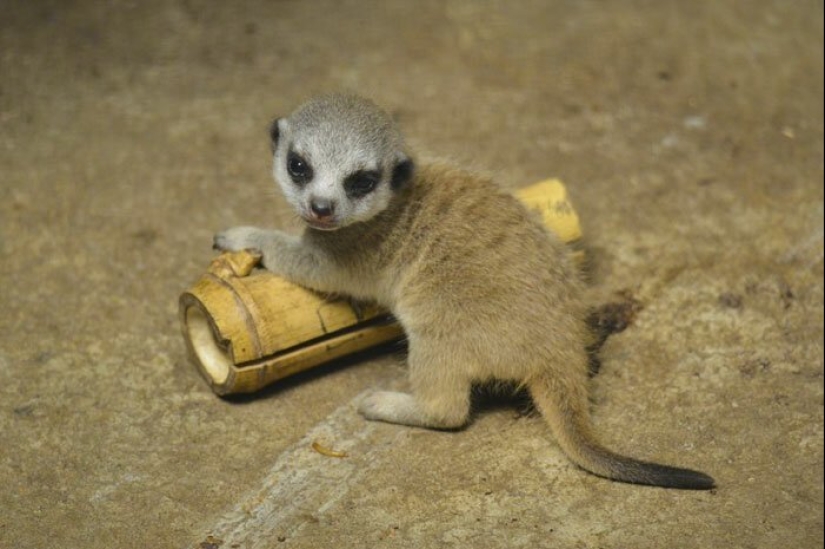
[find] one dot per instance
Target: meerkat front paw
(237, 239)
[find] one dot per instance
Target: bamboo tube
(246, 328)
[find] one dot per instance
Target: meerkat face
(338, 160)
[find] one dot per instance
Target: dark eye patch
(402, 173)
(361, 183)
(298, 168)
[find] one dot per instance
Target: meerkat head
(338, 159)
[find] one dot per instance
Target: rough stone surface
(690, 135)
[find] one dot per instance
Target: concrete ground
(690, 135)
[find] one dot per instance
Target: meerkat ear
(275, 132)
(402, 171)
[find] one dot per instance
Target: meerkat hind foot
(405, 409)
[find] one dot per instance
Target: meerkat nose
(322, 208)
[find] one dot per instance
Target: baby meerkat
(482, 289)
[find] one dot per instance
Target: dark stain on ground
(730, 300)
(753, 367)
(608, 319)
(211, 542)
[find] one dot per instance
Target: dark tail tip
(653, 474)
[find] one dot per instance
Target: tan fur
(482, 289)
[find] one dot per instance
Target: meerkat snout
(322, 212)
(322, 208)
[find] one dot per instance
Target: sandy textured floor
(690, 135)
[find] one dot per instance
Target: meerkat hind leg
(437, 402)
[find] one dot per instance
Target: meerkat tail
(565, 409)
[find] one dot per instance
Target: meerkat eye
(299, 169)
(361, 183)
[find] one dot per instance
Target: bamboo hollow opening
(213, 357)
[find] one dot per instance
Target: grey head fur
(338, 160)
